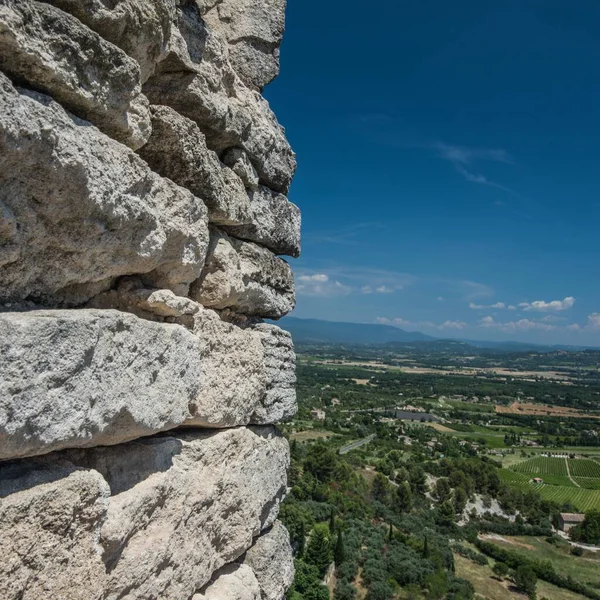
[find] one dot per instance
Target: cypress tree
(339, 553)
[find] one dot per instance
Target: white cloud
(594, 321)
(554, 305)
(319, 284)
(383, 289)
(515, 326)
(404, 323)
(499, 305)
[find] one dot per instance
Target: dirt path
(569, 473)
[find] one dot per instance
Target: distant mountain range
(334, 332)
(315, 331)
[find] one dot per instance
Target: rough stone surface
(51, 514)
(279, 402)
(272, 562)
(275, 223)
(224, 487)
(79, 209)
(72, 378)
(79, 378)
(177, 150)
(253, 30)
(244, 277)
(237, 160)
(148, 520)
(142, 28)
(232, 582)
(197, 80)
(54, 53)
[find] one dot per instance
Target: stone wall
(143, 216)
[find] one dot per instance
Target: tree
(318, 550)
(344, 590)
(460, 499)
(339, 552)
(321, 461)
(418, 480)
(442, 490)
(526, 580)
(403, 497)
(332, 522)
(381, 488)
(501, 570)
(307, 582)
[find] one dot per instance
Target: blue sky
(449, 164)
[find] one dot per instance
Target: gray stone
(272, 562)
(232, 582)
(245, 278)
(81, 378)
(237, 160)
(279, 402)
(54, 53)
(142, 28)
(73, 378)
(177, 150)
(79, 209)
(253, 30)
(51, 514)
(225, 487)
(197, 81)
(275, 223)
(149, 520)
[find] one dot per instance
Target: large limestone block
(78, 209)
(152, 519)
(275, 222)
(51, 514)
(80, 378)
(177, 150)
(73, 378)
(253, 30)
(197, 80)
(232, 582)
(245, 278)
(142, 28)
(272, 562)
(279, 402)
(54, 53)
(183, 506)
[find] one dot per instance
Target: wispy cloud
(464, 159)
(515, 326)
(406, 324)
(498, 305)
(319, 284)
(553, 306)
(342, 282)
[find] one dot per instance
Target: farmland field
(582, 499)
(542, 465)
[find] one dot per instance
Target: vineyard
(573, 481)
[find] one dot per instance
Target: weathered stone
(253, 30)
(51, 514)
(272, 562)
(177, 150)
(80, 209)
(232, 582)
(142, 28)
(80, 378)
(148, 520)
(244, 277)
(279, 402)
(197, 80)
(275, 223)
(237, 160)
(73, 378)
(53, 52)
(225, 487)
